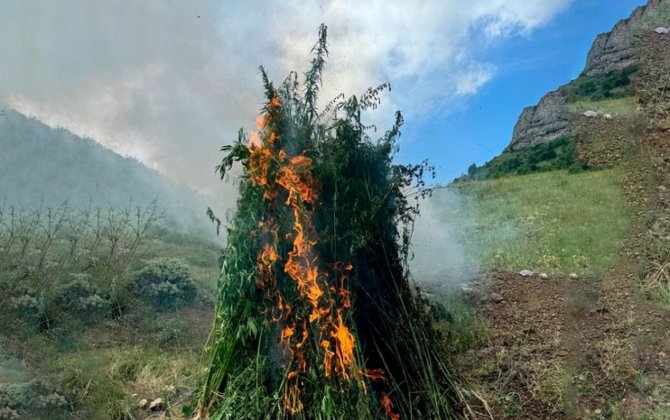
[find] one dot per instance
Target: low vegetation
(558, 154)
(556, 222)
(618, 108)
(611, 85)
(97, 317)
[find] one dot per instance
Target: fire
(344, 345)
(387, 404)
(322, 318)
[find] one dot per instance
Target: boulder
(590, 114)
(662, 30)
(526, 273)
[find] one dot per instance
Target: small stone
(156, 404)
(526, 273)
(590, 114)
(143, 402)
(662, 30)
(574, 276)
(597, 411)
(170, 388)
(608, 116)
(662, 188)
(544, 276)
(496, 298)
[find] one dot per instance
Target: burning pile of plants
(316, 315)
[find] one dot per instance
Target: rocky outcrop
(547, 121)
(617, 49)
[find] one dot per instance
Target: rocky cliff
(615, 50)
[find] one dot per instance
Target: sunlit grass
(620, 107)
(553, 222)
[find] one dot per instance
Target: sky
(169, 82)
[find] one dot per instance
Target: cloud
(170, 81)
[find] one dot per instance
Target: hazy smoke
(170, 82)
(441, 258)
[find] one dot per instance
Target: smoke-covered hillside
(44, 165)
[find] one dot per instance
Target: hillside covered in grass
(555, 222)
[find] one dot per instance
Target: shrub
(166, 283)
(29, 400)
(81, 297)
(558, 154)
(27, 304)
(613, 84)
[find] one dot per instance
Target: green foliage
(81, 298)
(611, 85)
(166, 283)
(33, 399)
(363, 198)
(27, 304)
(558, 154)
(54, 319)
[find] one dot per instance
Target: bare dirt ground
(574, 348)
(593, 348)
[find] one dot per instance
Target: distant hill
(624, 72)
(44, 165)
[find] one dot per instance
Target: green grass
(103, 366)
(619, 107)
(552, 222)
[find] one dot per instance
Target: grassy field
(620, 107)
(58, 360)
(553, 222)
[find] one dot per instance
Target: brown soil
(571, 348)
(593, 348)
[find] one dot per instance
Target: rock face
(543, 123)
(550, 120)
(615, 49)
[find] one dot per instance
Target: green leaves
(236, 152)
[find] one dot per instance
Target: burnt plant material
(316, 315)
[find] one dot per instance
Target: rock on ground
(156, 404)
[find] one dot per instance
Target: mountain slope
(614, 84)
(592, 344)
(43, 165)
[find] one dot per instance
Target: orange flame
(387, 404)
(270, 168)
